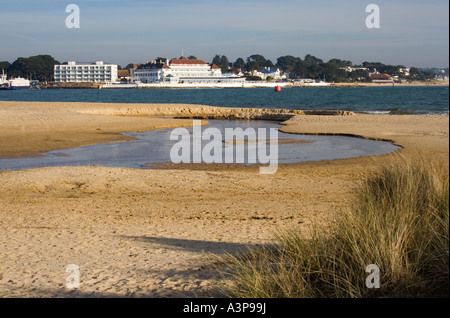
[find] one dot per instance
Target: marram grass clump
(400, 223)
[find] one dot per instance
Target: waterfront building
(97, 72)
(182, 71)
(149, 73)
(270, 72)
(123, 76)
(382, 78)
(350, 69)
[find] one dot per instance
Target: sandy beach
(158, 233)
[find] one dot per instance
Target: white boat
(4, 83)
(15, 83)
(19, 83)
(3, 79)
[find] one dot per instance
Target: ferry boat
(3, 81)
(15, 83)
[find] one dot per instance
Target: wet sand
(158, 233)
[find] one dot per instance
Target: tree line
(40, 67)
(315, 68)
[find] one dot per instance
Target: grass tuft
(400, 222)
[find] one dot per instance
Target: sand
(159, 233)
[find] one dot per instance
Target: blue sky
(412, 33)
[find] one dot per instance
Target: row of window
(81, 72)
(82, 68)
(198, 69)
(181, 75)
(82, 81)
(91, 77)
(79, 77)
(67, 70)
(146, 74)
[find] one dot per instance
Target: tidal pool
(155, 147)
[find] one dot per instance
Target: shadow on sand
(197, 246)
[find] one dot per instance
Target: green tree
(315, 71)
(252, 66)
(216, 59)
(384, 68)
(340, 63)
(253, 78)
(330, 72)
(192, 57)
(428, 75)
(300, 69)
(239, 64)
(414, 71)
(420, 75)
(20, 67)
(255, 62)
(312, 60)
(359, 76)
(39, 67)
(373, 65)
(224, 64)
(287, 63)
(4, 65)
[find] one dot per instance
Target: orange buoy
(278, 88)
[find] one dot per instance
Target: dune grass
(400, 222)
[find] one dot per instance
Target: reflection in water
(155, 147)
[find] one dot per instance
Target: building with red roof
(181, 70)
(381, 78)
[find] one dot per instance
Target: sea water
(382, 100)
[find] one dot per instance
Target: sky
(411, 33)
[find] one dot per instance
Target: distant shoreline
(436, 83)
(239, 85)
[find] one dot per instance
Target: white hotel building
(180, 70)
(85, 73)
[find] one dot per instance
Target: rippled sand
(157, 233)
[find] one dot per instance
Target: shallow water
(155, 147)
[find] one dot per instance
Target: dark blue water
(389, 100)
